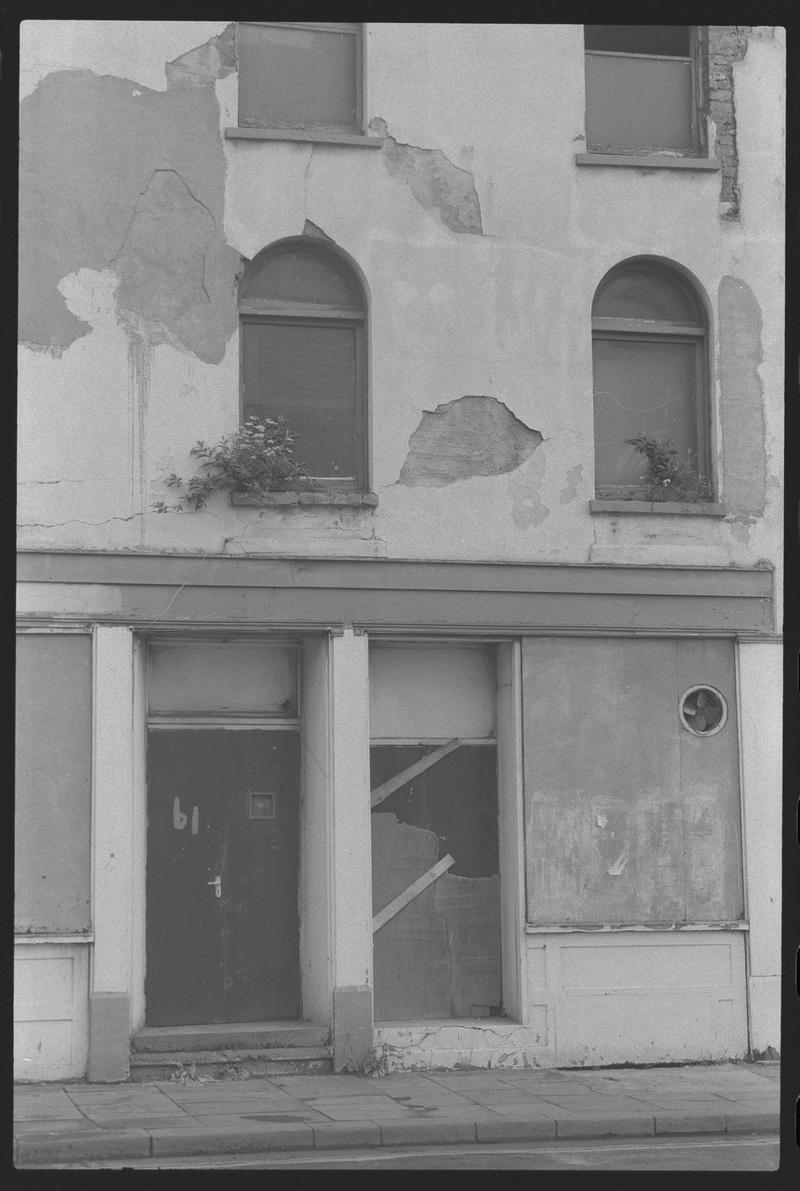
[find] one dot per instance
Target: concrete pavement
(188, 1117)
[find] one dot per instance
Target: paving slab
(96, 1122)
(55, 1106)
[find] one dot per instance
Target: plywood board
(628, 817)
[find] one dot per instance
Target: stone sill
(664, 507)
(305, 499)
(648, 161)
(315, 137)
(54, 937)
(559, 928)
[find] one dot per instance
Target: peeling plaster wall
(481, 244)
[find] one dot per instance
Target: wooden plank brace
(402, 899)
(405, 775)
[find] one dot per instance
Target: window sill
(304, 499)
(648, 161)
(306, 135)
(663, 507)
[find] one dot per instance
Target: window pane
(639, 39)
(306, 374)
(215, 677)
(299, 276)
(646, 293)
(297, 78)
(638, 104)
(641, 388)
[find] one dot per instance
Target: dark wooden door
(222, 803)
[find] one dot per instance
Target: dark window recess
(648, 354)
(669, 40)
(302, 356)
(438, 956)
(456, 799)
(293, 76)
(641, 90)
(306, 374)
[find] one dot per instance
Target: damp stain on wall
(114, 175)
(468, 437)
(742, 399)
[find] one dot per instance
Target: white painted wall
(350, 811)
(760, 684)
(504, 314)
(112, 810)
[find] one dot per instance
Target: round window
(703, 710)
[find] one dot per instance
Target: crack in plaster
(442, 188)
(74, 521)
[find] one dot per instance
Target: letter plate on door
(262, 806)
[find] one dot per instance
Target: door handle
(217, 883)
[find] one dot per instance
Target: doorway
(222, 851)
(223, 823)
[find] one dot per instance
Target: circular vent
(703, 710)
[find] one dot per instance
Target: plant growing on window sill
(668, 477)
(256, 459)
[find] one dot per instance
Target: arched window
(302, 317)
(650, 380)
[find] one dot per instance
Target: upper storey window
(649, 341)
(302, 313)
(641, 90)
(302, 75)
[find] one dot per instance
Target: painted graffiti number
(180, 819)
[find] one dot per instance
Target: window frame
(612, 329)
(358, 128)
(285, 313)
(695, 60)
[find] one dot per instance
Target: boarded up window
(629, 818)
(303, 75)
(53, 782)
(434, 819)
(302, 351)
(648, 354)
(640, 89)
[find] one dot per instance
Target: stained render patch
(442, 188)
(471, 436)
(108, 170)
(742, 408)
(213, 60)
(574, 477)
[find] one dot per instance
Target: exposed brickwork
(726, 44)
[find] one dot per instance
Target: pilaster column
(112, 854)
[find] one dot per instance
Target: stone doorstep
(32, 1148)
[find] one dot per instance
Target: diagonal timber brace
(405, 775)
(402, 899)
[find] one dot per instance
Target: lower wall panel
(51, 995)
(596, 1000)
(639, 997)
